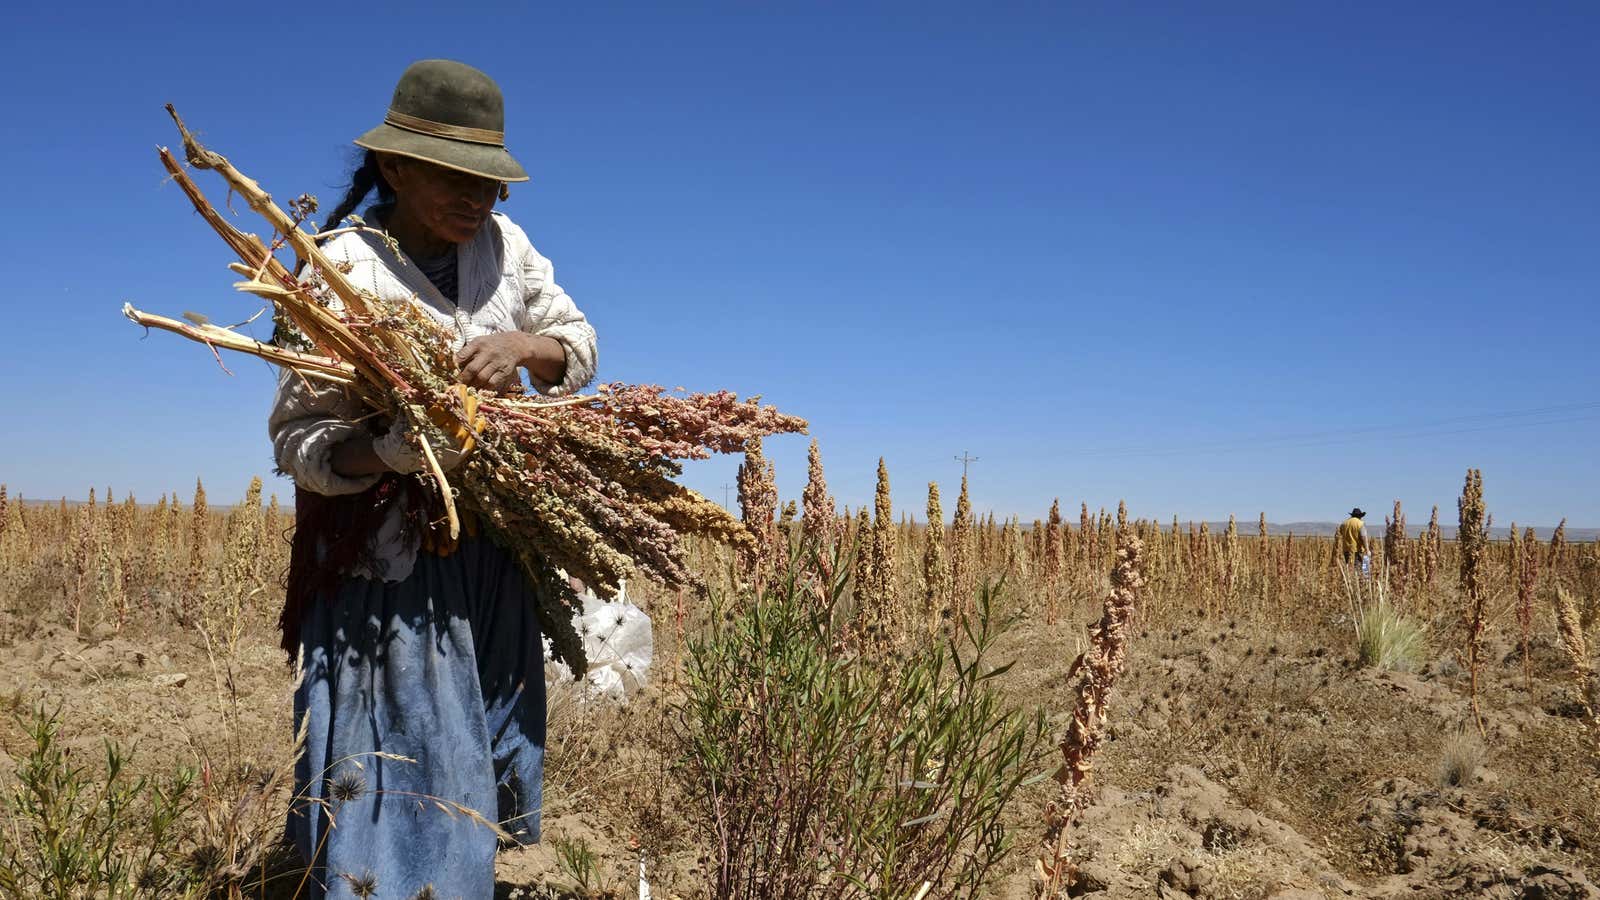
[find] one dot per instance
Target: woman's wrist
(354, 457)
(545, 358)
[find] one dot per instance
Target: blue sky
(1209, 258)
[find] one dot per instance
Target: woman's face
(450, 204)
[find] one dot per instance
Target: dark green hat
(448, 113)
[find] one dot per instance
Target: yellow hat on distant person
(448, 113)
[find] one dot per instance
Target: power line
(1548, 415)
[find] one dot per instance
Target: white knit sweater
(505, 285)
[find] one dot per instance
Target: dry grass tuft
(1388, 639)
(1459, 759)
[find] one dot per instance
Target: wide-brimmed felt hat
(1358, 513)
(448, 113)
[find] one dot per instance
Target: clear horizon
(1247, 524)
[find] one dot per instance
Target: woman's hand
(398, 450)
(392, 451)
(492, 362)
(355, 458)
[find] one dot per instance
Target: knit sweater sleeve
(308, 419)
(548, 310)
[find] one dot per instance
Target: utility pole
(725, 489)
(965, 460)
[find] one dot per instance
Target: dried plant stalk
(1527, 569)
(325, 368)
(1569, 626)
(1473, 538)
(819, 522)
(935, 567)
(1097, 669)
(758, 503)
(1052, 551)
(962, 581)
(1394, 553)
(886, 615)
(582, 484)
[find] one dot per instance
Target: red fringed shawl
(333, 537)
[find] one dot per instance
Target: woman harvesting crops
(414, 644)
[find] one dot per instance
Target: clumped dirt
(1244, 761)
(1256, 762)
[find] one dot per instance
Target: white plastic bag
(618, 641)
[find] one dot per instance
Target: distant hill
(1247, 528)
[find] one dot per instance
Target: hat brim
(483, 160)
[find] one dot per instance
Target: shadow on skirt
(424, 707)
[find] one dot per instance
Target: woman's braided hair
(366, 178)
(363, 180)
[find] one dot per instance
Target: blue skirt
(424, 706)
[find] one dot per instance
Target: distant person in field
(413, 644)
(1350, 541)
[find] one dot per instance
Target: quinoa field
(877, 702)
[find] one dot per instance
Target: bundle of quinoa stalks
(582, 484)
